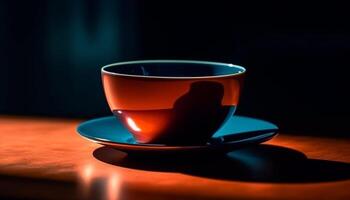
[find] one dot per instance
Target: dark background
(296, 54)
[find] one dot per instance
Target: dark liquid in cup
(175, 126)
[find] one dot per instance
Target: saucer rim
(229, 145)
(161, 147)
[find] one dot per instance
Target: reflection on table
(46, 159)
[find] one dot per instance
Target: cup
(172, 102)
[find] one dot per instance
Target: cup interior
(173, 69)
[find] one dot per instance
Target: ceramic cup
(172, 102)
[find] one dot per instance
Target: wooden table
(43, 158)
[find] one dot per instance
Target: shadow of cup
(261, 163)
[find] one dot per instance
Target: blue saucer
(238, 132)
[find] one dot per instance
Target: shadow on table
(19, 187)
(262, 163)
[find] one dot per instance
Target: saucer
(238, 132)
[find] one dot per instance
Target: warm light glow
(87, 174)
(119, 111)
(132, 124)
(113, 187)
(109, 179)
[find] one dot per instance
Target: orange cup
(172, 102)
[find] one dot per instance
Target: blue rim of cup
(241, 70)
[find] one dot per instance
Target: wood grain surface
(44, 158)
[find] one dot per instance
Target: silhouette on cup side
(193, 119)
